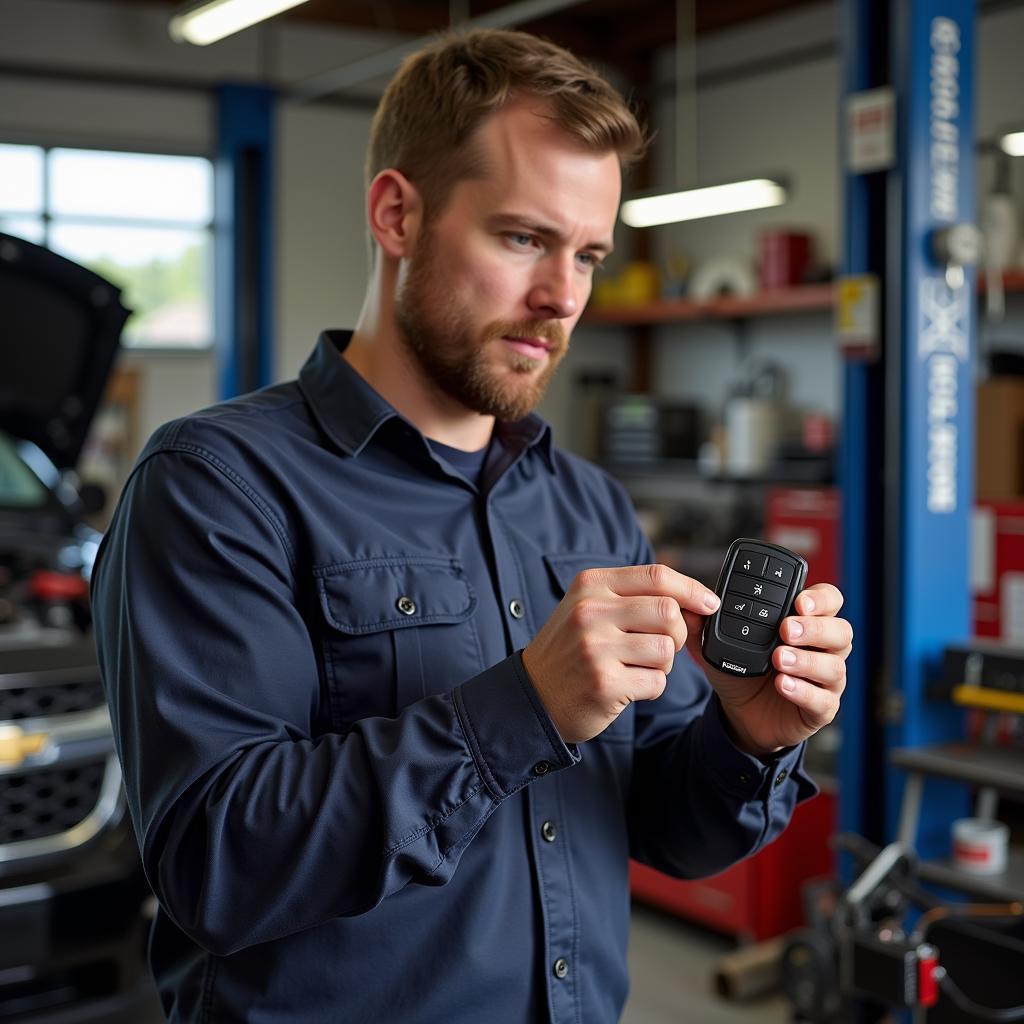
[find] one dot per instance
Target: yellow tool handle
(993, 700)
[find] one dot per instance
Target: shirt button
(541, 768)
(744, 778)
(406, 606)
(781, 777)
(515, 606)
(560, 967)
(548, 831)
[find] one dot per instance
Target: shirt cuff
(742, 774)
(510, 734)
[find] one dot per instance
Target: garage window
(142, 220)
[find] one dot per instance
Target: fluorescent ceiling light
(693, 203)
(207, 22)
(1012, 143)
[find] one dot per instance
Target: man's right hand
(612, 640)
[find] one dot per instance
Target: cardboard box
(999, 440)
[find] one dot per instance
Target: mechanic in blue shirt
(396, 687)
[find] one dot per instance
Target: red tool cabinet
(759, 897)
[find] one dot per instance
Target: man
(396, 686)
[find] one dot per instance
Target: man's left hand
(802, 694)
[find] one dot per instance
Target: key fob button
(750, 562)
(756, 585)
(736, 604)
(779, 571)
(767, 614)
(743, 629)
(760, 590)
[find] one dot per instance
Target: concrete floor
(671, 967)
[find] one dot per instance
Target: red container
(997, 570)
(806, 520)
(783, 258)
(760, 897)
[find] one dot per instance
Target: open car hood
(60, 329)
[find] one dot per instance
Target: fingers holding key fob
(612, 640)
(758, 584)
(788, 641)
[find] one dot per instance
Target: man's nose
(554, 292)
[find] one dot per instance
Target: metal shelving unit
(776, 301)
(995, 771)
(803, 298)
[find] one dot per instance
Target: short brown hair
(442, 93)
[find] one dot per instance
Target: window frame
(46, 217)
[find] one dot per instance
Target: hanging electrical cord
(963, 1002)
(939, 913)
(687, 125)
(946, 984)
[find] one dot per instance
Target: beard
(437, 332)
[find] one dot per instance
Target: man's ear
(394, 212)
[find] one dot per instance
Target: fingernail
(808, 605)
(788, 685)
(711, 600)
(787, 658)
(796, 629)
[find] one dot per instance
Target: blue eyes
(521, 241)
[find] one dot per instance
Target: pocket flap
(565, 566)
(391, 593)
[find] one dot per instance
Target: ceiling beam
(367, 68)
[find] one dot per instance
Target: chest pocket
(562, 569)
(397, 629)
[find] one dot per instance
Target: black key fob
(757, 585)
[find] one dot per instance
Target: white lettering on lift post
(942, 332)
(942, 344)
(945, 110)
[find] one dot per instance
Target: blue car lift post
(907, 440)
(243, 238)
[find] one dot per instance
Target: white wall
(322, 262)
(170, 385)
(782, 121)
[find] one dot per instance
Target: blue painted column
(930, 408)
(864, 65)
(244, 240)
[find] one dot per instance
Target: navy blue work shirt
(350, 801)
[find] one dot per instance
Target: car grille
(47, 802)
(60, 796)
(48, 699)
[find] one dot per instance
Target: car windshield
(19, 486)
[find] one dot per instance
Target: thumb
(694, 631)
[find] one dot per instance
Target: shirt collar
(350, 412)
